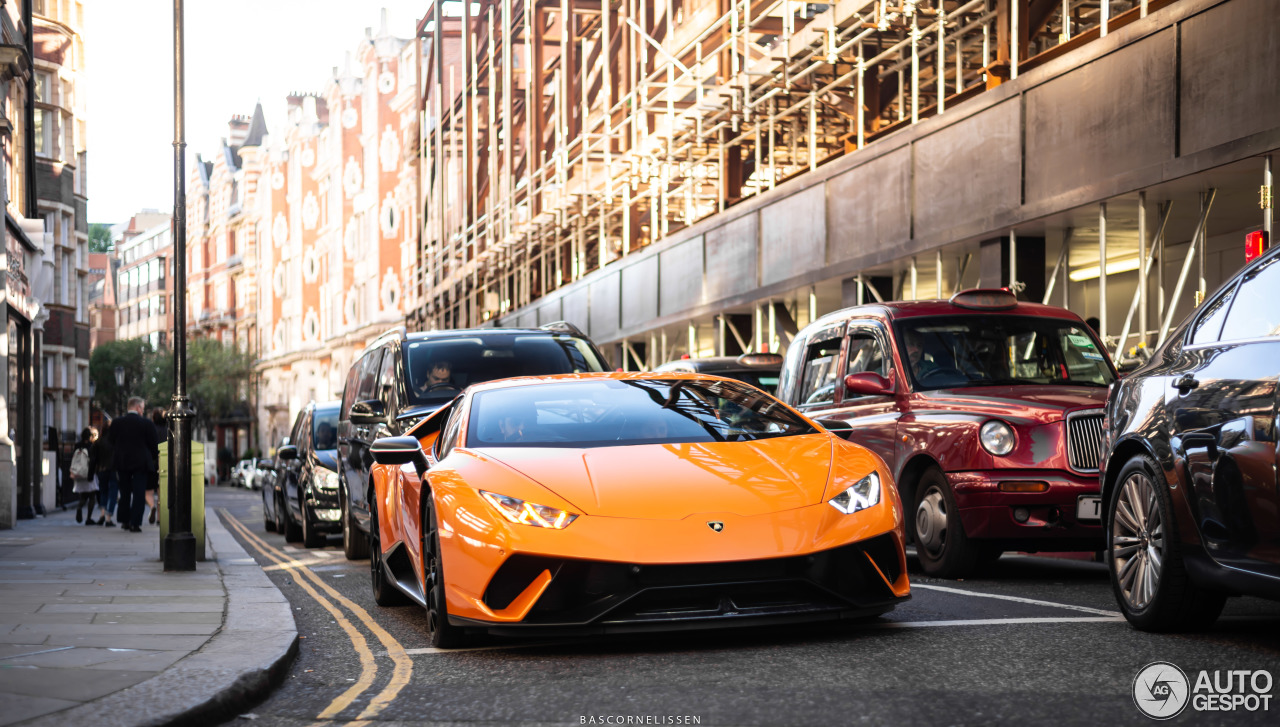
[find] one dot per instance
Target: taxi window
(818, 374)
(865, 355)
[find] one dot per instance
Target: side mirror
(369, 411)
(399, 451)
(838, 427)
(867, 383)
(287, 453)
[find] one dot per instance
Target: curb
(239, 665)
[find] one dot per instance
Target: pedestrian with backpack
(86, 485)
(101, 463)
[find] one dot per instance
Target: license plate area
(1089, 508)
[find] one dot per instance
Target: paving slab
(95, 632)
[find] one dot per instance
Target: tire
(311, 538)
(354, 543)
(279, 516)
(292, 530)
(942, 547)
(440, 633)
(267, 523)
(1144, 556)
(385, 592)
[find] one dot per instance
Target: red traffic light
(1255, 243)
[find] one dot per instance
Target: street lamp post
(180, 543)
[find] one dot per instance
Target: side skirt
(400, 571)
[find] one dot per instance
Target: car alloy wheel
(280, 516)
(942, 547)
(1137, 540)
(931, 522)
(1144, 555)
(311, 537)
(268, 520)
(354, 545)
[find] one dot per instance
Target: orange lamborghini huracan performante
(611, 503)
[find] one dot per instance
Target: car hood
(1044, 403)
(675, 481)
(327, 458)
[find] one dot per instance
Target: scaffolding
(559, 136)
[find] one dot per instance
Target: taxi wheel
(442, 634)
(941, 544)
(384, 591)
(354, 545)
(1148, 575)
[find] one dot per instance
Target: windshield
(609, 413)
(324, 429)
(991, 350)
(439, 369)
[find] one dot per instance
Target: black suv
(402, 377)
(761, 370)
(1189, 456)
(307, 476)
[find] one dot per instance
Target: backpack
(80, 464)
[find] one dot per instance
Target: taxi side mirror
(867, 383)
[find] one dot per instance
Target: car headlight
(326, 479)
(861, 495)
(528, 513)
(996, 438)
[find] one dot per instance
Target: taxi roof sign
(985, 299)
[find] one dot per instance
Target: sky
(237, 53)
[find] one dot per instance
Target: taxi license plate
(1089, 507)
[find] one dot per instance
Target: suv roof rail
(564, 326)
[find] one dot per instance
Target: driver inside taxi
(922, 363)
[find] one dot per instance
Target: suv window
(349, 389)
(387, 383)
(368, 375)
(1207, 326)
(818, 373)
(439, 368)
(1254, 313)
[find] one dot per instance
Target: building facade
(61, 194)
(26, 280)
(102, 299)
(342, 227)
(144, 296)
(224, 225)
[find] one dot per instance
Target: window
(387, 379)
(44, 132)
(369, 375)
(818, 373)
(44, 87)
(449, 437)
(865, 355)
(1207, 326)
(1254, 313)
(438, 369)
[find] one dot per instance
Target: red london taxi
(988, 411)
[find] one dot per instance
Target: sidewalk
(93, 631)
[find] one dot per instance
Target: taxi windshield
(994, 350)
(612, 413)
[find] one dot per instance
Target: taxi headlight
(528, 513)
(996, 438)
(861, 495)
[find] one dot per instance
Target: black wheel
(279, 515)
(311, 537)
(354, 544)
(267, 523)
(292, 531)
(1144, 556)
(941, 545)
(384, 592)
(441, 633)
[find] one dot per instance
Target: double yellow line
(403, 665)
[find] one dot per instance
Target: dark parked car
(761, 370)
(986, 409)
(402, 377)
(307, 476)
(1190, 491)
(264, 475)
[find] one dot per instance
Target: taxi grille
(1084, 440)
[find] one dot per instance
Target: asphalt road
(1033, 641)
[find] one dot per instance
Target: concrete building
(61, 193)
(27, 279)
(706, 177)
(102, 298)
(343, 228)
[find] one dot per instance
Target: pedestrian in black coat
(136, 455)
